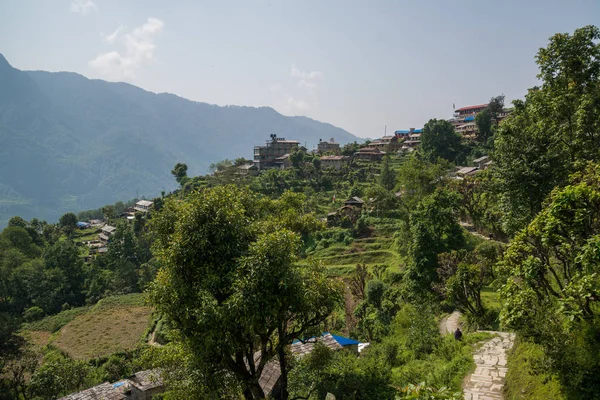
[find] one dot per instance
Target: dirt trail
(349, 306)
(449, 323)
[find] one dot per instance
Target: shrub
(33, 314)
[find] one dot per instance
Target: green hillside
(70, 143)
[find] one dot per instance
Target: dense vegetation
(237, 267)
(71, 143)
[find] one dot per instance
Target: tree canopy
(230, 283)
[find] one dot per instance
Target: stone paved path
(490, 359)
(449, 323)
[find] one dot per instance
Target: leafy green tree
(434, 229)
(342, 374)
(553, 270)
(64, 258)
(350, 148)
(418, 178)
(387, 178)
(229, 283)
(68, 223)
(241, 161)
(484, 125)
(439, 140)
(180, 173)
(17, 221)
(554, 131)
(58, 377)
(461, 278)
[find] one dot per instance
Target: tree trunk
(283, 380)
(253, 391)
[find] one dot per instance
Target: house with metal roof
(143, 205)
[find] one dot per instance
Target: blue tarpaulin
(344, 341)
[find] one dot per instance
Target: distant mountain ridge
(71, 143)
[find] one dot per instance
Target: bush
(33, 314)
(529, 374)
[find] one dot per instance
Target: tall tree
(229, 283)
(483, 120)
(439, 140)
(552, 293)
(554, 131)
(180, 173)
(434, 229)
(68, 223)
(387, 178)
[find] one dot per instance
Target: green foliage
(434, 229)
(552, 270)
(484, 125)
(53, 323)
(387, 177)
(551, 133)
(180, 173)
(57, 377)
(231, 255)
(529, 374)
(439, 140)
(68, 223)
(342, 374)
(418, 178)
(33, 314)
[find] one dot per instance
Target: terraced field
(114, 324)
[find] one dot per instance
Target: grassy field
(341, 259)
(490, 298)
(114, 324)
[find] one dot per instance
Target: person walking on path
(458, 334)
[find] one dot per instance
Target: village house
(482, 162)
(143, 385)
(143, 206)
(269, 379)
(386, 143)
(369, 154)
(354, 202)
(465, 171)
(414, 139)
(106, 232)
(283, 162)
(335, 162)
(466, 115)
(265, 156)
(468, 130)
(404, 133)
(328, 147)
(247, 170)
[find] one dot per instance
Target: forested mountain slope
(71, 143)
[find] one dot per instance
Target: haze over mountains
(70, 143)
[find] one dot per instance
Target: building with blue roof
(407, 132)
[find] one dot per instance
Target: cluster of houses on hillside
(276, 151)
(105, 231)
(144, 385)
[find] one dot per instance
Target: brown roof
(300, 349)
(104, 391)
(145, 380)
(271, 372)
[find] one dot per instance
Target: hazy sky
(359, 65)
